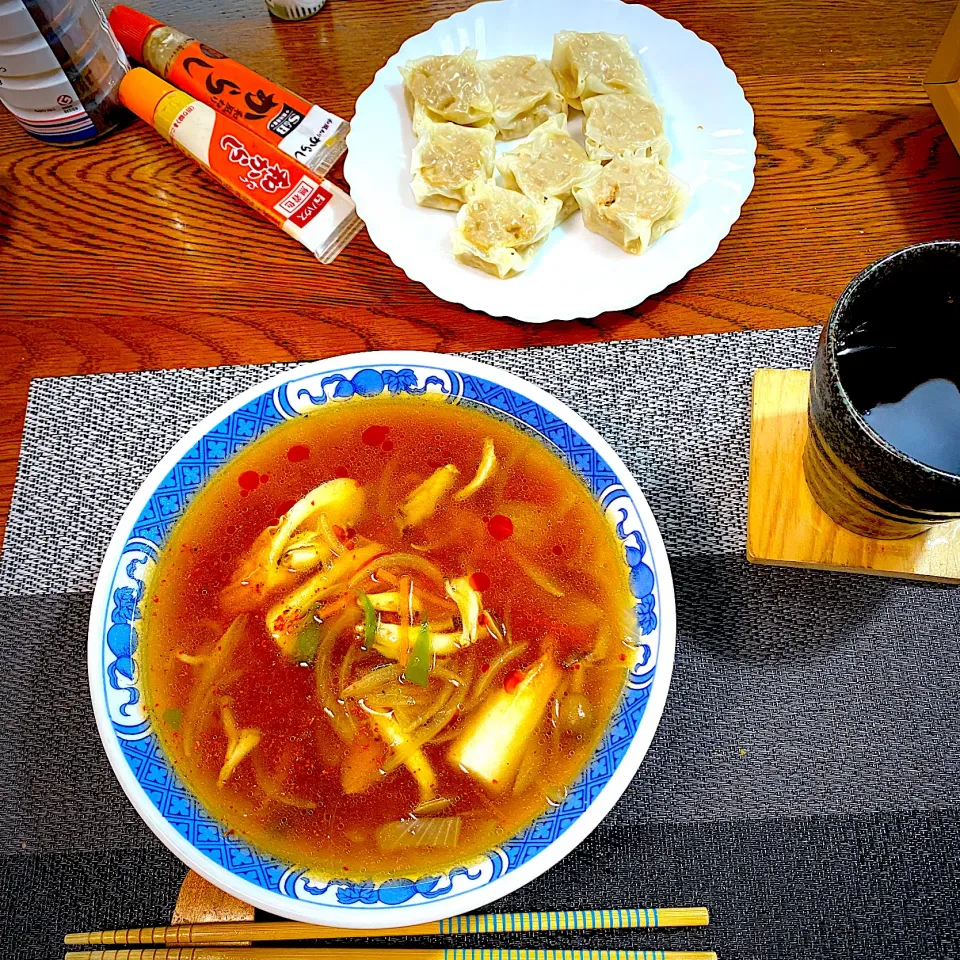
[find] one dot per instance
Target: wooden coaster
(785, 527)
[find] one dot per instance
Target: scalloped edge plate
(577, 274)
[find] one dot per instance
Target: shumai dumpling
(448, 88)
(624, 125)
(588, 64)
(449, 158)
(500, 230)
(422, 119)
(550, 163)
(632, 202)
(524, 93)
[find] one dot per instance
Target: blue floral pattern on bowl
(118, 636)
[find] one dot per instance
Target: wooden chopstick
(374, 953)
(195, 933)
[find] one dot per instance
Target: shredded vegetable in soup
(386, 636)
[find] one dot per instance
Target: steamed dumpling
(524, 93)
(624, 125)
(448, 159)
(448, 88)
(548, 164)
(632, 202)
(500, 231)
(588, 64)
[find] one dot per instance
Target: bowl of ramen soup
(381, 639)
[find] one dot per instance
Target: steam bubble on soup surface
(397, 647)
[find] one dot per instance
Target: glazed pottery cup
(910, 300)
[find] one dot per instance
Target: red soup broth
(347, 726)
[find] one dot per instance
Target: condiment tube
(304, 131)
(314, 211)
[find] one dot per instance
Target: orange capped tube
(316, 212)
(304, 131)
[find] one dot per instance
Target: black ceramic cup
(908, 306)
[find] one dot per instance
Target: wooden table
(124, 256)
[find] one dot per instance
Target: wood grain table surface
(123, 255)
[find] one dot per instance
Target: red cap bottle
(132, 29)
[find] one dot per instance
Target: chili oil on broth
(287, 795)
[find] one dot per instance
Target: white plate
(577, 273)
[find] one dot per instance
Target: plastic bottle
(317, 213)
(304, 131)
(60, 69)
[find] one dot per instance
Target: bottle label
(320, 216)
(16, 24)
(285, 121)
(312, 133)
(26, 57)
(191, 129)
(42, 81)
(47, 105)
(262, 175)
(278, 116)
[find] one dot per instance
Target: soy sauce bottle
(60, 69)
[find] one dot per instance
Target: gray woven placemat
(808, 757)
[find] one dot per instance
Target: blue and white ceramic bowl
(283, 888)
